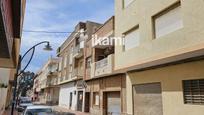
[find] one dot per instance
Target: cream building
(46, 90)
(162, 55)
(71, 66)
(103, 96)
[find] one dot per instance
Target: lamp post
(32, 49)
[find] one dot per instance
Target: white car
(38, 110)
(24, 103)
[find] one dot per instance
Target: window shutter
(193, 91)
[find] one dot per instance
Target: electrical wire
(50, 32)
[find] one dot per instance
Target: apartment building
(46, 90)
(36, 88)
(105, 89)
(11, 20)
(71, 66)
(162, 55)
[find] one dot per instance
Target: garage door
(147, 99)
(113, 103)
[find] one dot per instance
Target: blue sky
(58, 15)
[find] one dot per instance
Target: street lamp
(32, 49)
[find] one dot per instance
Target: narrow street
(102, 57)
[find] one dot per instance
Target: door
(79, 100)
(70, 100)
(147, 99)
(87, 102)
(113, 103)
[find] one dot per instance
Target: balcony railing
(102, 63)
(102, 67)
(77, 73)
(55, 81)
(78, 52)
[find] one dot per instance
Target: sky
(57, 15)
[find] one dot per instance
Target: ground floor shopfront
(170, 90)
(106, 96)
(71, 96)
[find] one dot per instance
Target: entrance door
(87, 102)
(113, 103)
(79, 100)
(147, 99)
(70, 101)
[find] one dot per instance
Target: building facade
(103, 96)
(11, 21)
(46, 90)
(162, 55)
(71, 67)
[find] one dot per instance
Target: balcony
(52, 73)
(78, 52)
(77, 73)
(102, 67)
(51, 82)
(55, 81)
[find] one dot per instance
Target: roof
(39, 107)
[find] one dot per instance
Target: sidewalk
(8, 112)
(65, 110)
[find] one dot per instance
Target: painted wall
(4, 78)
(140, 12)
(171, 84)
(64, 95)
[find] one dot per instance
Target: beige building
(162, 55)
(11, 22)
(103, 96)
(46, 90)
(71, 66)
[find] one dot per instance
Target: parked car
(38, 110)
(23, 104)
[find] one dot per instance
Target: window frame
(192, 95)
(130, 31)
(94, 99)
(123, 4)
(88, 59)
(161, 13)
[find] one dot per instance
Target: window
(65, 61)
(71, 58)
(193, 91)
(72, 49)
(81, 44)
(88, 62)
(127, 3)
(60, 64)
(168, 21)
(132, 38)
(70, 68)
(96, 98)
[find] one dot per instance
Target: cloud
(58, 15)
